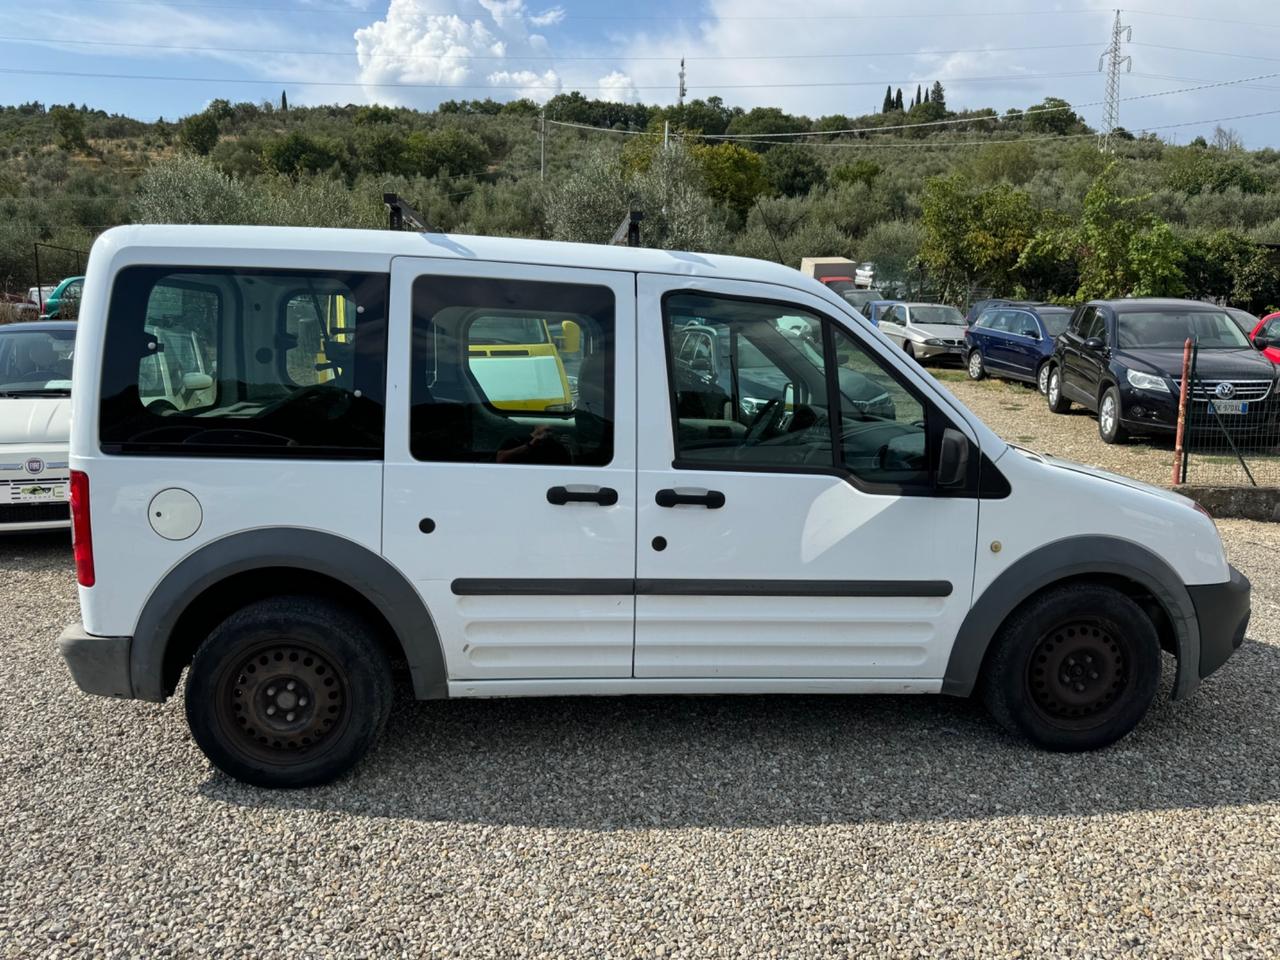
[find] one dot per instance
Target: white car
(926, 331)
(35, 424)
(346, 495)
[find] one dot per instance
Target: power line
(1271, 25)
(1114, 60)
(517, 87)
(57, 41)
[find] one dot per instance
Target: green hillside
(947, 204)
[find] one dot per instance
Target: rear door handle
(605, 496)
(711, 499)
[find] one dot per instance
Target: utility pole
(1110, 63)
(681, 91)
(542, 144)
(666, 134)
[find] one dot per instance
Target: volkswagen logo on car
(34, 465)
(1225, 391)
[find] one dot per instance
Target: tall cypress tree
(897, 100)
(917, 101)
(926, 96)
(888, 100)
(284, 101)
(939, 95)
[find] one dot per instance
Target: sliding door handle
(605, 496)
(711, 499)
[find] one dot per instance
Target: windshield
(521, 330)
(860, 298)
(1055, 321)
(948, 316)
(1211, 330)
(35, 362)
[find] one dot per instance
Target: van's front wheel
(288, 692)
(1074, 669)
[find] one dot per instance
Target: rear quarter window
(244, 363)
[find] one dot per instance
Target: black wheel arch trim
(385, 587)
(1067, 559)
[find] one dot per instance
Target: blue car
(874, 310)
(1014, 341)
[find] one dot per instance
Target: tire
(1075, 668)
(1042, 379)
(1110, 412)
(1057, 402)
(288, 692)
(977, 370)
(910, 350)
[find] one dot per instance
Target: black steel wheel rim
(282, 702)
(1078, 673)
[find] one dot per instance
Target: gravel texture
(710, 827)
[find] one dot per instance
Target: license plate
(38, 492)
(1231, 406)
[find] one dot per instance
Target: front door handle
(711, 499)
(605, 496)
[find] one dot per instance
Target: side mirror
(1262, 343)
(195, 382)
(1096, 344)
(953, 459)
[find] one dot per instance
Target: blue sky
(816, 57)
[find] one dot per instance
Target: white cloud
(618, 87)
(472, 45)
(547, 18)
(534, 86)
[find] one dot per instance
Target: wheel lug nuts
(1093, 674)
(271, 711)
(1079, 689)
(290, 685)
(302, 701)
(271, 691)
(289, 716)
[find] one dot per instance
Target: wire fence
(1231, 428)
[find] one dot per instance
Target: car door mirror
(1096, 344)
(953, 459)
(1262, 343)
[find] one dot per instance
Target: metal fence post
(1179, 454)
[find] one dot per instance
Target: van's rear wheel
(1074, 669)
(288, 692)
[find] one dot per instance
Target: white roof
(502, 249)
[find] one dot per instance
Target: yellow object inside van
(515, 361)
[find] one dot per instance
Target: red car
(1268, 329)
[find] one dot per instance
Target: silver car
(926, 331)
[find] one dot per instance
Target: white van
(346, 497)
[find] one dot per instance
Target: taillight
(81, 531)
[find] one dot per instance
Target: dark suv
(1123, 359)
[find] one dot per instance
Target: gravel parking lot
(729, 827)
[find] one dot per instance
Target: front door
(510, 464)
(792, 530)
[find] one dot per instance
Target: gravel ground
(726, 827)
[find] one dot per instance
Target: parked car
(287, 539)
(38, 295)
(1265, 336)
(64, 302)
(876, 309)
(35, 416)
(1123, 359)
(16, 307)
(926, 331)
(1015, 342)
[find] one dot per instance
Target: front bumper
(924, 351)
(1222, 611)
(98, 665)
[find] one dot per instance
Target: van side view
(296, 462)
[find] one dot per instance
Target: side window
(229, 362)
(1089, 323)
(1271, 329)
(767, 404)
(1024, 324)
(985, 319)
(492, 385)
(797, 392)
(900, 315)
(883, 426)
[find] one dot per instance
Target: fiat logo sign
(34, 465)
(1225, 391)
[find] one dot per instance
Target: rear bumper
(1222, 611)
(98, 665)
